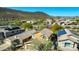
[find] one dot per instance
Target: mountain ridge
(11, 13)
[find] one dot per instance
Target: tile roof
(46, 32)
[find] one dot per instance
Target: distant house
(67, 40)
(30, 21)
(49, 22)
(23, 21)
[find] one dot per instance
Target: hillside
(9, 14)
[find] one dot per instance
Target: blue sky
(53, 11)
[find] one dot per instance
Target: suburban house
(67, 41)
(16, 41)
(43, 35)
(6, 45)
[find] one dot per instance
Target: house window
(67, 44)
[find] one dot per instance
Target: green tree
(16, 22)
(45, 46)
(55, 27)
(27, 26)
(77, 21)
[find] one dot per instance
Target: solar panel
(61, 32)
